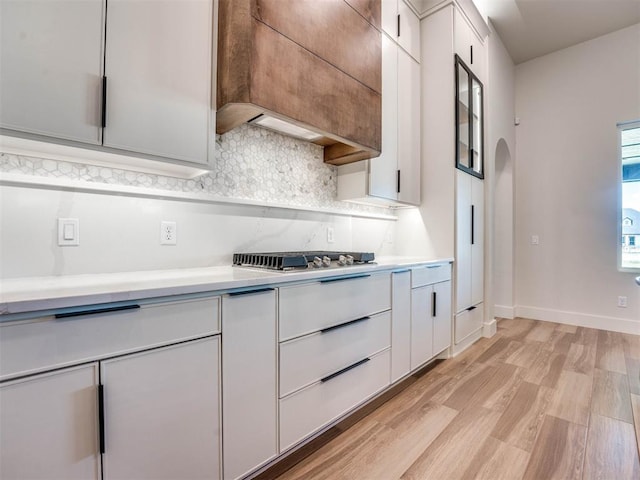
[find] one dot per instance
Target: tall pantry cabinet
(452, 116)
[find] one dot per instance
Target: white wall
(499, 153)
(567, 189)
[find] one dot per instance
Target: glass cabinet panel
(469, 121)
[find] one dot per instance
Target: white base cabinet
(400, 324)
(249, 380)
(49, 426)
(160, 402)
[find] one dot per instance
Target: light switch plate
(68, 232)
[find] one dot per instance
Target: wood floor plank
(611, 395)
(610, 452)
(516, 328)
(586, 336)
(631, 345)
(571, 399)
(500, 390)
(635, 406)
(558, 451)
(559, 342)
(562, 327)
(610, 352)
(633, 374)
(461, 377)
(546, 368)
(541, 332)
(525, 355)
(581, 358)
(466, 390)
(468, 357)
(497, 460)
(451, 453)
(521, 421)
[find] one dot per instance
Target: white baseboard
(504, 311)
(489, 328)
(613, 324)
(458, 348)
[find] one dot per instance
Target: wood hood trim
(262, 70)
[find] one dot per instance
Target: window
(629, 223)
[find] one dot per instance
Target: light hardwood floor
(536, 401)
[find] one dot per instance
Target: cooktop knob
(317, 262)
(349, 259)
(342, 260)
(326, 261)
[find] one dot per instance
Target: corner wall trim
(490, 328)
(613, 324)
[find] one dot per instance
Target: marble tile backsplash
(251, 163)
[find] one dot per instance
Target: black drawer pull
(344, 370)
(471, 308)
(402, 271)
(341, 279)
(93, 311)
(434, 266)
(250, 292)
(346, 324)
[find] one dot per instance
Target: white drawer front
(41, 344)
(307, 359)
(308, 410)
(467, 322)
(311, 307)
(431, 274)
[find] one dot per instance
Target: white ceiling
(531, 28)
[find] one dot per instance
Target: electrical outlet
(535, 240)
(68, 232)
(330, 235)
(168, 233)
(622, 302)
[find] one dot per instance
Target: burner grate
(283, 261)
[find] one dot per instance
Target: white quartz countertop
(32, 294)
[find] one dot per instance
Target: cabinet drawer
(311, 307)
(307, 359)
(468, 322)
(48, 342)
(431, 274)
(310, 409)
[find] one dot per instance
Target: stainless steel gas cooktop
(294, 261)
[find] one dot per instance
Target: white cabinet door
(421, 326)
(49, 426)
(477, 244)
(51, 67)
(390, 17)
(409, 32)
(400, 325)
(468, 322)
(408, 129)
(441, 311)
(158, 69)
(249, 394)
(383, 169)
(463, 261)
(161, 413)
(468, 46)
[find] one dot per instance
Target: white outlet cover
(168, 233)
(330, 235)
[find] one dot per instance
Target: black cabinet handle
(101, 416)
(471, 48)
(473, 222)
(398, 180)
(93, 311)
(344, 370)
(345, 324)
(250, 292)
(398, 24)
(471, 308)
(104, 102)
(434, 299)
(342, 279)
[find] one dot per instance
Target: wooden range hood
(315, 64)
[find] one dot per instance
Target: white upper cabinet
(394, 176)
(158, 69)
(402, 25)
(468, 45)
(51, 68)
(134, 79)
